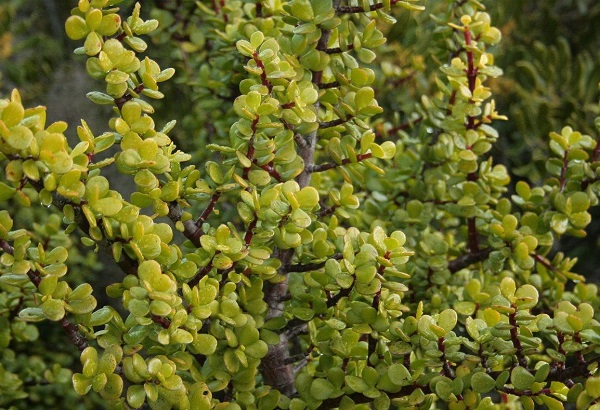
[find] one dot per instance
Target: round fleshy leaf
(321, 389)
(521, 379)
(54, 309)
(205, 344)
(136, 396)
(92, 44)
(482, 382)
(76, 28)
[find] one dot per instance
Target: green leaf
(521, 379)
(482, 382)
(108, 206)
(20, 137)
(205, 344)
(6, 192)
(447, 319)
(136, 396)
(399, 374)
(76, 28)
(259, 177)
(113, 388)
(81, 384)
(552, 403)
(321, 389)
(100, 98)
(592, 387)
(101, 316)
(13, 114)
(32, 314)
(48, 285)
(54, 309)
(93, 44)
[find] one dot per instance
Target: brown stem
(334, 123)
(71, 329)
(596, 153)
(446, 368)
(326, 211)
(161, 321)
(202, 273)
(518, 393)
(576, 371)
(468, 259)
(333, 84)
(451, 102)
(514, 336)
(273, 368)
(250, 231)
(372, 341)
(337, 50)
(473, 243)
(272, 171)
(263, 74)
(335, 299)
(544, 262)
(311, 266)
(330, 165)
(563, 170)
(190, 230)
(208, 210)
(405, 125)
(359, 9)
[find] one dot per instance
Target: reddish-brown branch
(337, 50)
(250, 153)
(263, 74)
(451, 102)
(250, 231)
(333, 84)
(272, 171)
(468, 259)
(209, 209)
(6, 247)
(202, 273)
(359, 9)
(311, 266)
(335, 299)
(563, 170)
(579, 353)
(520, 393)
(330, 165)
(120, 102)
(73, 333)
(446, 368)
(473, 240)
(326, 211)
(544, 262)
(514, 336)
(405, 125)
(586, 182)
(596, 153)
(161, 321)
(190, 230)
(71, 329)
(471, 69)
(334, 123)
(371, 340)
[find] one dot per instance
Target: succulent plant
(310, 250)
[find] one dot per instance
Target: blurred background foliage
(551, 76)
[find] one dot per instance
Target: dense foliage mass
(294, 242)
